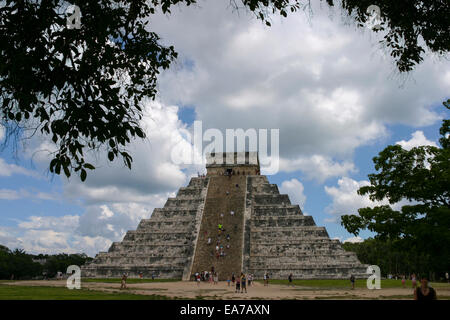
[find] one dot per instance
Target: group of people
(208, 276)
(240, 282)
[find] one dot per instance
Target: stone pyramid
(261, 232)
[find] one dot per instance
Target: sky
(329, 87)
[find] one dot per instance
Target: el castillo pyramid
(266, 232)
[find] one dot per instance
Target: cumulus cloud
(325, 86)
(153, 175)
(11, 194)
(317, 167)
(356, 239)
(417, 139)
(90, 232)
(294, 189)
(9, 169)
(345, 199)
(52, 235)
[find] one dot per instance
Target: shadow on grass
(9, 292)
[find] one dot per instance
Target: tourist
(233, 278)
(216, 278)
(290, 279)
(221, 215)
(352, 280)
(424, 292)
(238, 285)
(403, 281)
(237, 186)
(209, 240)
(228, 237)
(243, 283)
(446, 276)
(232, 213)
(228, 281)
(123, 284)
(153, 275)
(250, 279)
(265, 279)
(198, 279)
(228, 246)
(414, 281)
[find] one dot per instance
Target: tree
(391, 256)
(408, 24)
(84, 87)
(422, 176)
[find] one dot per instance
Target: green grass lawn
(345, 284)
(13, 292)
(129, 280)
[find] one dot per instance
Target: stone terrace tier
(163, 245)
(280, 240)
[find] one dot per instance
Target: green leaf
(83, 175)
(89, 166)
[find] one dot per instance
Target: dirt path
(221, 291)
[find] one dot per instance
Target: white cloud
(417, 139)
(9, 169)
(62, 223)
(356, 239)
(322, 84)
(345, 199)
(317, 167)
(10, 194)
(52, 235)
(294, 189)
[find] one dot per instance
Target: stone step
(190, 193)
(174, 213)
(218, 202)
(276, 233)
(265, 188)
(282, 221)
(275, 209)
(183, 203)
(298, 242)
(306, 258)
(196, 182)
(303, 265)
(271, 199)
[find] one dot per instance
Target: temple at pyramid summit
(231, 219)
